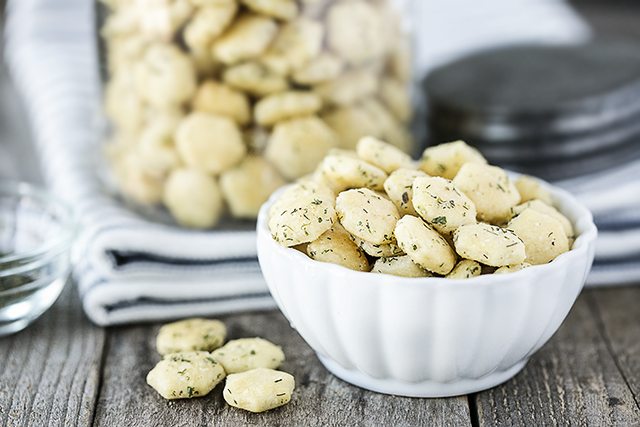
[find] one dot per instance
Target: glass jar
(214, 104)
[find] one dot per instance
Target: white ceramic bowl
(426, 337)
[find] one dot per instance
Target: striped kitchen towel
(129, 269)
(613, 196)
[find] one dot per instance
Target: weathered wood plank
(619, 312)
(320, 399)
(50, 372)
(572, 380)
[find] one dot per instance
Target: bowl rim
(584, 241)
(60, 242)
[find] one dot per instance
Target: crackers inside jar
(298, 145)
(261, 89)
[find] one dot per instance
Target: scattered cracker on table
(248, 353)
(185, 375)
(191, 335)
(248, 364)
(259, 390)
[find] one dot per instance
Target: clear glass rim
(62, 240)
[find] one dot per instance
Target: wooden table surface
(63, 371)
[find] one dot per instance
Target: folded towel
(128, 268)
(614, 198)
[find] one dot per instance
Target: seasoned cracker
(259, 390)
(465, 269)
(302, 214)
(439, 202)
(244, 354)
(399, 266)
(425, 246)
(186, 375)
(195, 334)
(543, 236)
(490, 189)
(399, 188)
(367, 215)
(489, 244)
(336, 247)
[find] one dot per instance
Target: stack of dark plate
(552, 111)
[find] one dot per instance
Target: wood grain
(319, 400)
(50, 372)
(572, 380)
(619, 313)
